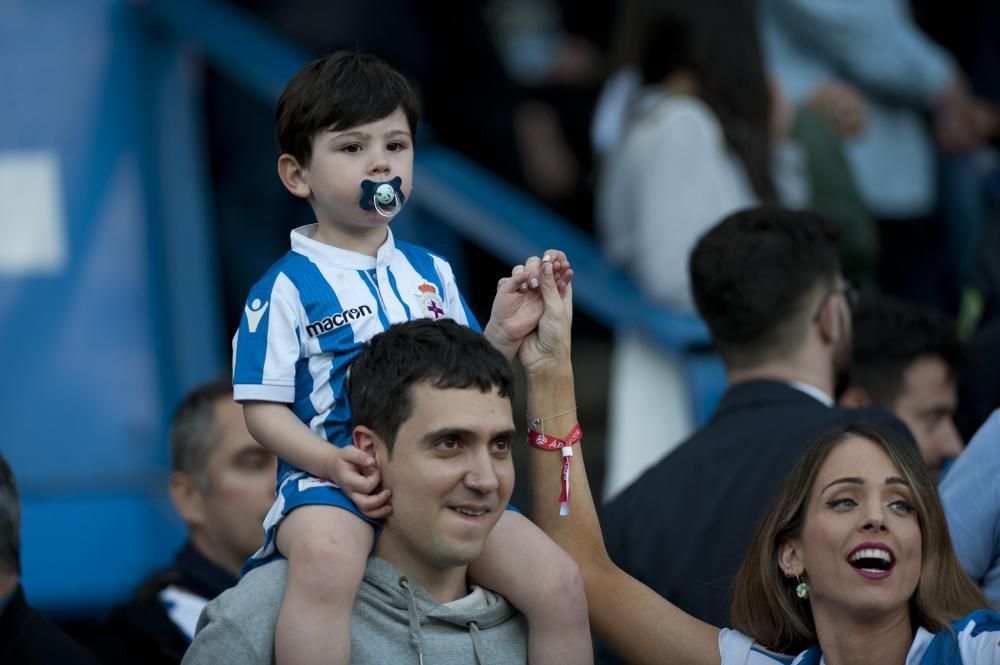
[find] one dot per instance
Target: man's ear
(790, 558)
(368, 441)
(292, 176)
(187, 498)
(828, 319)
(856, 396)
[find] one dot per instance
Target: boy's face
(341, 160)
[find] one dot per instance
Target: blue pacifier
(384, 197)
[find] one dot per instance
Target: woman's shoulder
(738, 648)
(678, 113)
(973, 640)
(977, 637)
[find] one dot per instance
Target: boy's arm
(266, 349)
(636, 622)
(518, 303)
(279, 430)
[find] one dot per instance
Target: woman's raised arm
(632, 619)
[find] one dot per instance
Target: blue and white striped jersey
(307, 318)
(973, 640)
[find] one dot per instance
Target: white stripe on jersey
(282, 343)
(322, 303)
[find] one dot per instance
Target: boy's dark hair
(888, 336)
(340, 91)
(752, 275)
(439, 352)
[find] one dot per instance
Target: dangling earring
(802, 589)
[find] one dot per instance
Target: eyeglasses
(847, 289)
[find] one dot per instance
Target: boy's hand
(358, 477)
(518, 303)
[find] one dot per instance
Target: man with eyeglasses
(768, 284)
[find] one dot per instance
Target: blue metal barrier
(97, 348)
(91, 456)
(463, 195)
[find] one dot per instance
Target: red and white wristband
(546, 442)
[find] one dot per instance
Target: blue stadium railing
(460, 194)
(90, 534)
(128, 515)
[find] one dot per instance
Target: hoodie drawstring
(416, 639)
(477, 642)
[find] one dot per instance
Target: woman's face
(860, 547)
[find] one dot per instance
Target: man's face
(240, 489)
(927, 403)
(451, 476)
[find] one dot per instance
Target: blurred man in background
(222, 486)
(970, 495)
(26, 637)
(905, 359)
(769, 286)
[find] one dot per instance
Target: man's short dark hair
(10, 521)
(194, 432)
(752, 275)
(340, 91)
(439, 352)
(889, 335)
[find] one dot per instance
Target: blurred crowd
(646, 123)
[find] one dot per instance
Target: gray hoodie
(394, 621)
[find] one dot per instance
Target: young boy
(346, 125)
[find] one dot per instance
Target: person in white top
(852, 563)
(697, 145)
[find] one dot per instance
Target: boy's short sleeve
(457, 308)
(266, 348)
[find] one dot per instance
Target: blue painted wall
(108, 309)
(97, 344)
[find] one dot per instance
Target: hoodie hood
(396, 589)
(393, 596)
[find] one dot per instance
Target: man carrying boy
(346, 125)
(432, 403)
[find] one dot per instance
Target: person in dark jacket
(769, 286)
(431, 403)
(26, 636)
(222, 486)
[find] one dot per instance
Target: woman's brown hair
(719, 43)
(764, 603)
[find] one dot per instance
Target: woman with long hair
(855, 546)
(698, 143)
(852, 563)
(697, 140)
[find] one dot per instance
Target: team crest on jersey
(431, 301)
